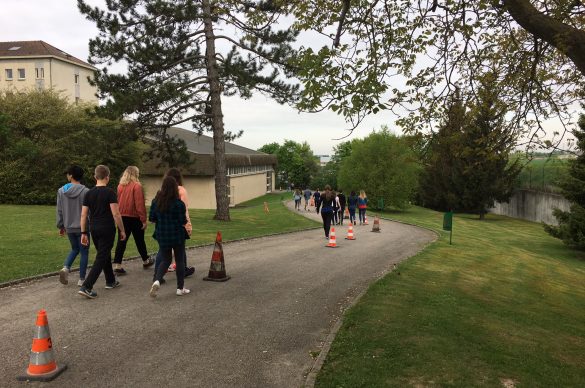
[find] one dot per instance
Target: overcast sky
(59, 23)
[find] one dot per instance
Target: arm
(83, 225)
(60, 216)
(118, 220)
(139, 205)
(185, 200)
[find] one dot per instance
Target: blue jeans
(166, 255)
(352, 214)
(76, 247)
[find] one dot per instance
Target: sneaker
(80, 282)
(172, 267)
(64, 275)
(87, 293)
(154, 288)
(120, 271)
(109, 286)
(148, 262)
(162, 281)
(181, 292)
(189, 271)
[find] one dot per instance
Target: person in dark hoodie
(326, 203)
(69, 202)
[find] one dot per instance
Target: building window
(21, 74)
(8, 73)
(76, 79)
(40, 73)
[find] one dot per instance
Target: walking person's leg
(83, 261)
(138, 234)
(341, 215)
(328, 218)
(75, 242)
(180, 260)
(103, 242)
(121, 246)
(325, 228)
(166, 255)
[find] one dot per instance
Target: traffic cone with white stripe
(332, 241)
(376, 226)
(42, 365)
(217, 266)
(350, 233)
(365, 220)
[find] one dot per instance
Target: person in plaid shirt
(167, 211)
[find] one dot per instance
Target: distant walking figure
(326, 203)
(352, 204)
(307, 194)
(133, 211)
(297, 197)
(362, 205)
(342, 202)
(317, 198)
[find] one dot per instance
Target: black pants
(341, 211)
(327, 216)
(167, 253)
(335, 215)
(132, 225)
(103, 241)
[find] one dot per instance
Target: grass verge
(31, 244)
(504, 305)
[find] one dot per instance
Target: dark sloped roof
(201, 144)
(37, 48)
(202, 155)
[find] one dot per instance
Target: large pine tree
(487, 173)
(177, 69)
(571, 228)
(438, 183)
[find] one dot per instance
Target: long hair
(168, 193)
(362, 194)
(329, 195)
(130, 175)
(175, 173)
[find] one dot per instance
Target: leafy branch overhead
(410, 57)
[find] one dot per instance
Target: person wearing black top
(317, 196)
(352, 203)
(326, 202)
(342, 202)
(101, 204)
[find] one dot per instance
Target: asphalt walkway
(258, 329)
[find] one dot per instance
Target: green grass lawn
(504, 304)
(30, 242)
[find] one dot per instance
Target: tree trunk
(222, 211)
(565, 38)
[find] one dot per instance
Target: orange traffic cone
(42, 365)
(217, 266)
(350, 233)
(332, 242)
(346, 213)
(376, 226)
(365, 220)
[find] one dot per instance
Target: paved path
(257, 329)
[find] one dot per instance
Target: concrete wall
(59, 75)
(533, 206)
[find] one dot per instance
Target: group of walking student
(332, 206)
(97, 213)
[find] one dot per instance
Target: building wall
(201, 190)
(532, 205)
(247, 187)
(58, 74)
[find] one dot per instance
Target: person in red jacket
(131, 202)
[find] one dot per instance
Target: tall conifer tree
(571, 228)
(177, 70)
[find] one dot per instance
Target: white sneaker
(80, 282)
(154, 288)
(182, 292)
(64, 275)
